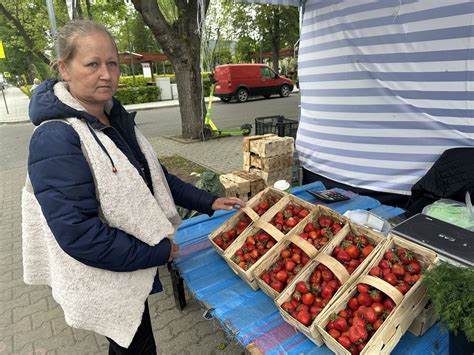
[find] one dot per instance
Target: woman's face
(93, 73)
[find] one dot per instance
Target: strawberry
(304, 317)
(390, 278)
(336, 227)
(357, 334)
(343, 256)
(405, 255)
(307, 298)
(370, 315)
(414, 268)
(282, 275)
(303, 213)
(403, 287)
(289, 265)
(277, 285)
(344, 341)
(288, 307)
(353, 251)
(367, 250)
(389, 304)
(291, 222)
(357, 321)
(364, 299)
(376, 271)
(398, 269)
(327, 292)
(325, 221)
(340, 324)
(334, 333)
(302, 287)
(353, 303)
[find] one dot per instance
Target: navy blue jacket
(64, 187)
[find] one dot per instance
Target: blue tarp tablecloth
(251, 316)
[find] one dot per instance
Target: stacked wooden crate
(269, 156)
(242, 184)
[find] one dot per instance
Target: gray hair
(65, 39)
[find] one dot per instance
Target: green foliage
(139, 80)
(138, 95)
(260, 27)
(206, 87)
(451, 290)
(26, 90)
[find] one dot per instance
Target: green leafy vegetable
(451, 290)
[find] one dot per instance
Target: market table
(251, 317)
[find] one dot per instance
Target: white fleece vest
(106, 302)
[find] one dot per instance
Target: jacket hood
(52, 100)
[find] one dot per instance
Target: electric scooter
(210, 130)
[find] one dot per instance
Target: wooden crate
(273, 256)
(248, 210)
(248, 139)
(256, 183)
(273, 163)
(247, 275)
(424, 321)
(270, 177)
(242, 184)
(271, 146)
(232, 190)
(311, 331)
(408, 306)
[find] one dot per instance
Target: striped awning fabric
(386, 87)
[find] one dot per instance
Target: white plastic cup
(282, 185)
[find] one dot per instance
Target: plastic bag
(451, 211)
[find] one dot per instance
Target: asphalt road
(14, 138)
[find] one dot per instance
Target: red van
(240, 81)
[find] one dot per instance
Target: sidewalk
(16, 104)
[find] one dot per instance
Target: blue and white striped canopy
(386, 87)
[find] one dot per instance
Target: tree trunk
(181, 42)
(276, 39)
(88, 8)
(78, 11)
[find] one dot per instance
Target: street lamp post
(52, 19)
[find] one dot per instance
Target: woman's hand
(227, 203)
(174, 251)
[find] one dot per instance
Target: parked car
(241, 81)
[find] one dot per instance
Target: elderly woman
(98, 209)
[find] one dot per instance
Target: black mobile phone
(329, 196)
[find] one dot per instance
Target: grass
(182, 168)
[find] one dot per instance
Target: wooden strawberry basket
(339, 272)
(248, 210)
(408, 306)
(274, 254)
(248, 275)
(280, 207)
(319, 211)
(377, 239)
